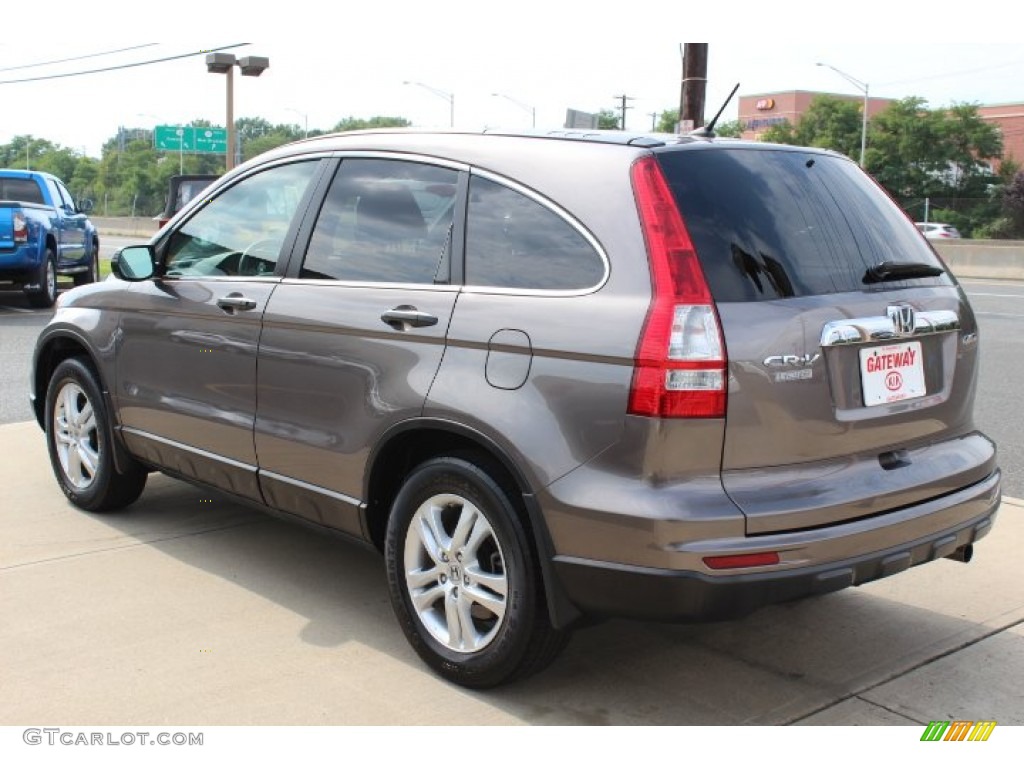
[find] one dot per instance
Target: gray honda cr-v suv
(548, 376)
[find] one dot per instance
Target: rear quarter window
(514, 241)
(771, 224)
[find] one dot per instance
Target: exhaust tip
(962, 554)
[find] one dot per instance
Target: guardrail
(994, 259)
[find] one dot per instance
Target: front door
(186, 379)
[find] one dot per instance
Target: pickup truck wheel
(45, 296)
(93, 274)
(464, 580)
(79, 438)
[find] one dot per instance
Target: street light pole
(305, 121)
(863, 87)
(450, 97)
(521, 105)
(224, 64)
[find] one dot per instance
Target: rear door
(354, 335)
(849, 395)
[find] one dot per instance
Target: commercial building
(760, 111)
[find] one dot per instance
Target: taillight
(20, 227)
(680, 364)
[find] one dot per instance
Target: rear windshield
(770, 224)
(21, 190)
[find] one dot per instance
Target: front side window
(387, 221)
(241, 232)
(512, 241)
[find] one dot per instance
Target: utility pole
(622, 109)
(654, 120)
(694, 86)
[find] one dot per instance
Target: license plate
(892, 373)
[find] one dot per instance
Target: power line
(77, 58)
(122, 66)
(953, 74)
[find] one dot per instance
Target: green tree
(829, 123)
(668, 121)
(607, 120)
(732, 129)
(362, 124)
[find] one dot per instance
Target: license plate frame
(892, 373)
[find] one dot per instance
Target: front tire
(93, 275)
(79, 438)
(464, 580)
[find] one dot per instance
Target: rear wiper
(900, 270)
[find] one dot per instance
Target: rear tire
(79, 437)
(93, 275)
(46, 295)
(464, 580)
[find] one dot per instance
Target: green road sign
(173, 138)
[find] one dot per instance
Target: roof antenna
(708, 131)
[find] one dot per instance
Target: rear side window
(512, 241)
(771, 224)
(21, 191)
(384, 221)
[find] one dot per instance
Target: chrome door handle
(406, 316)
(235, 302)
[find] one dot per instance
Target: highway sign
(174, 138)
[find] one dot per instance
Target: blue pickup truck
(43, 233)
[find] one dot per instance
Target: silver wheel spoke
(470, 637)
(421, 578)
(495, 605)
(481, 530)
(427, 536)
(86, 417)
(496, 582)
(74, 468)
(467, 521)
(424, 600)
(451, 614)
(90, 460)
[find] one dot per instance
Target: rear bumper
(613, 589)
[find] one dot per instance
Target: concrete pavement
(187, 608)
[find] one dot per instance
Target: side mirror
(85, 206)
(133, 263)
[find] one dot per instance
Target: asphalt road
(999, 305)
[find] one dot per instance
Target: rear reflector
(742, 561)
(680, 363)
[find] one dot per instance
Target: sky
(331, 61)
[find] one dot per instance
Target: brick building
(1010, 120)
(760, 111)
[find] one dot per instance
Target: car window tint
(242, 230)
(770, 224)
(68, 200)
(512, 241)
(21, 190)
(384, 221)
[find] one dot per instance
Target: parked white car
(936, 231)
